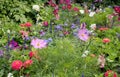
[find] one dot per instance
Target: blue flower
(73, 26)
(58, 27)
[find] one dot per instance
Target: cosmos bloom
(83, 34)
(16, 65)
(39, 43)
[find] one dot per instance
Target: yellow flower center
(82, 35)
(38, 44)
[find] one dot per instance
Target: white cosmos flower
(36, 7)
(91, 14)
(10, 75)
(81, 11)
(93, 26)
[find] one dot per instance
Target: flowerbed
(61, 40)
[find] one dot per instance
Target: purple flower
(13, 44)
(83, 26)
(49, 40)
(39, 43)
(58, 27)
(42, 33)
(97, 0)
(73, 26)
(83, 34)
(1, 53)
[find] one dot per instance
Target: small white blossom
(10, 75)
(85, 53)
(36, 7)
(8, 31)
(93, 26)
(91, 14)
(81, 11)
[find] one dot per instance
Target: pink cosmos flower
(39, 43)
(83, 33)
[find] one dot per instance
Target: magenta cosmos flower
(38, 43)
(83, 34)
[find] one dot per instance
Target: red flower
(31, 54)
(16, 65)
(106, 40)
(103, 29)
(63, 7)
(45, 23)
(28, 24)
(110, 72)
(55, 11)
(76, 9)
(27, 63)
(51, 3)
(117, 9)
(69, 6)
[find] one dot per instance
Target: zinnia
(27, 63)
(103, 29)
(76, 9)
(28, 24)
(16, 65)
(106, 40)
(110, 73)
(45, 23)
(31, 54)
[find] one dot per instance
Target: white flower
(36, 7)
(93, 26)
(81, 11)
(21, 76)
(10, 75)
(8, 31)
(91, 14)
(85, 53)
